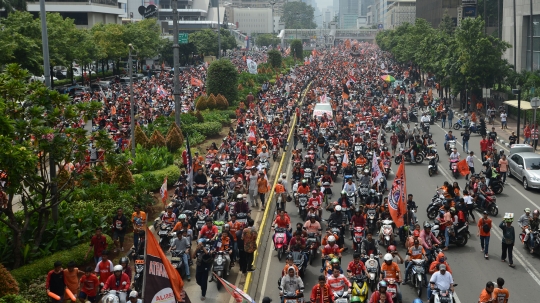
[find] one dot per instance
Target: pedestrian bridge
(329, 34)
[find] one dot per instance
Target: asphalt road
(471, 270)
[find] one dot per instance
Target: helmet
(536, 212)
(118, 268)
(124, 260)
(343, 192)
(452, 209)
(416, 233)
(417, 300)
(221, 206)
(388, 257)
(383, 284)
(334, 261)
(226, 226)
(337, 208)
(391, 248)
(290, 257)
(314, 192)
(427, 225)
(312, 216)
(331, 239)
(485, 163)
(304, 181)
(182, 216)
(237, 170)
(239, 196)
(355, 299)
(216, 169)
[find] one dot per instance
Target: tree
(267, 40)
(298, 15)
(145, 38)
(297, 49)
(222, 79)
(447, 24)
(13, 5)
(274, 58)
(33, 137)
(205, 40)
(108, 39)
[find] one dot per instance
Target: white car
(525, 167)
(40, 78)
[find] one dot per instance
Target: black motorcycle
(139, 273)
(406, 156)
(299, 260)
(177, 261)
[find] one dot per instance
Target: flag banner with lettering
(463, 167)
(397, 197)
(376, 172)
(162, 282)
(163, 192)
(252, 66)
(196, 82)
(238, 295)
(189, 163)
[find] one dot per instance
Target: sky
(323, 3)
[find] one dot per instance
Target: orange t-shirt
(500, 295)
(481, 223)
(484, 296)
(303, 189)
(390, 271)
(72, 279)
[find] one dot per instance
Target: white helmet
(118, 268)
(239, 196)
(388, 257)
(331, 239)
(338, 208)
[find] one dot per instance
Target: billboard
(468, 2)
(469, 11)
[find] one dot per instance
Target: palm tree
(13, 5)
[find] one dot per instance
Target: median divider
(268, 208)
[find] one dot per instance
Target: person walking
(509, 237)
(450, 118)
(99, 243)
(138, 218)
(534, 136)
(503, 167)
(503, 120)
(119, 226)
(484, 231)
(487, 293)
(466, 136)
(296, 138)
(500, 294)
(249, 236)
(56, 282)
(262, 188)
(253, 187)
(204, 262)
(527, 134)
(443, 118)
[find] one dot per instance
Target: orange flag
(196, 82)
(463, 167)
(397, 197)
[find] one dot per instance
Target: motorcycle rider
(221, 214)
(289, 261)
(169, 217)
(282, 221)
(338, 218)
(441, 280)
(320, 293)
(534, 225)
(390, 270)
(291, 284)
(441, 259)
(345, 204)
(415, 252)
(313, 226)
(315, 202)
(225, 244)
(381, 292)
(453, 156)
(209, 230)
(428, 238)
(356, 267)
(482, 192)
(120, 282)
(182, 244)
(337, 281)
(357, 219)
(524, 222)
(369, 246)
(448, 137)
(330, 248)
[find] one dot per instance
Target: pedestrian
(296, 138)
(486, 294)
(484, 146)
(466, 136)
(119, 227)
(262, 188)
(133, 295)
(503, 120)
(204, 262)
(241, 252)
(99, 243)
(500, 294)
(469, 204)
(253, 186)
(280, 191)
(249, 236)
(503, 167)
(89, 285)
(509, 237)
(484, 231)
(534, 136)
(443, 118)
(71, 277)
(393, 143)
(512, 139)
(527, 134)
(450, 117)
(56, 282)
(138, 218)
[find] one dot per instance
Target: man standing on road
(512, 138)
(483, 147)
(119, 226)
(249, 236)
(486, 296)
(138, 218)
(466, 136)
(503, 120)
(484, 231)
(450, 117)
(99, 243)
(509, 237)
(56, 282)
(253, 186)
(500, 294)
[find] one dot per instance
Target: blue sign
(380, 26)
(469, 12)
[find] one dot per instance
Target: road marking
(518, 256)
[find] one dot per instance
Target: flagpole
(145, 272)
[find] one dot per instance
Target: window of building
(78, 18)
(535, 45)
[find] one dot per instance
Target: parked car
(521, 148)
(525, 167)
(40, 79)
(78, 90)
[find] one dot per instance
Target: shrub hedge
(14, 299)
(206, 129)
(154, 179)
(30, 272)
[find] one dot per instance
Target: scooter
(371, 214)
(363, 191)
(358, 236)
(177, 261)
(219, 267)
(300, 262)
(360, 288)
(386, 166)
(536, 235)
(308, 175)
(280, 241)
(450, 145)
(433, 168)
(406, 156)
(312, 244)
(201, 217)
(417, 275)
(333, 170)
(111, 296)
(372, 267)
(436, 202)
(490, 204)
(302, 206)
(392, 288)
(459, 237)
(454, 167)
(242, 218)
(443, 295)
(341, 296)
(165, 237)
(387, 233)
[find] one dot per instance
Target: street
(471, 270)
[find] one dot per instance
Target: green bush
(222, 79)
(14, 299)
(274, 58)
(154, 179)
(297, 49)
(221, 116)
(149, 160)
(35, 291)
(187, 119)
(30, 272)
(206, 129)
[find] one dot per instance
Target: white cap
(133, 294)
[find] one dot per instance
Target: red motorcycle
(358, 236)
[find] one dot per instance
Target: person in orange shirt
(360, 160)
(280, 191)
(500, 294)
(282, 221)
(415, 252)
(288, 263)
(486, 294)
(484, 232)
(441, 259)
(71, 277)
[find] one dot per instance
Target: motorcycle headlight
(219, 261)
(175, 265)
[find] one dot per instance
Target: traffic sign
(535, 102)
(183, 38)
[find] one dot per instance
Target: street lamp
(297, 17)
(132, 105)
(218, 31)
(517, 91)
(176, 63)
(272, 3)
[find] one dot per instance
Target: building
(85, 13)
(253, 20)
(193, 15)
(363, 7)
(348, 14)
(399, 12)
(522, 45)
(434, 10)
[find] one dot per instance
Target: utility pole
(273, 2)
(531, 33)
(176, 63)
(485, 18)
(218, 32)
(131, 102)
(515, 45)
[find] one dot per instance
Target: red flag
(463, 167)
(196, 82)
(397, 197)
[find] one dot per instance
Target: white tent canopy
(525, 105)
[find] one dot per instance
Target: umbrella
(388, 78)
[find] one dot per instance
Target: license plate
(419, 270)
(392, 290)
(175, 259)
(163, 232)
(220, 267)
(290, 301)
(307, 175)
(333, 168)
(303, 200)
(341, 300)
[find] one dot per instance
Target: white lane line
(531, 270)
(456, 297)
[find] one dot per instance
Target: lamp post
(535, 102)
(132, 105)
(531, 33)
(272, 3)
(297, 16)
(517, 91)
(218, 32)
(515, 45)
(176, 63)
(45, 42)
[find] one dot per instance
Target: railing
(103, 2)
(339, 33)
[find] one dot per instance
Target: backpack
(485, 226)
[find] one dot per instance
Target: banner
(189, 164)
(163, 192)
(196, 82)
(397, 197)
(463, 167)
(238, 295)
(252, 66)
(162, 282)
(345, 161)
(376, 172)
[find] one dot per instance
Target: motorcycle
(242, 218)
(387, 233)
(363, 191)
(392, 288)
(351, 197)
(111, 296)
(275, 152)
(218, 268)
(312, 245)
(450, 145)
(139, 273)
(201, 190)
(496, 185)
(536, 235)
(300, 262)
(165, 237)
(201, 217)
(431, 150)
(265, 164)
(417, 275)
(371, 214)
(459, 237)
(359, 171)
(436, 202)
(308, 175)
(292, 297)
(490, 204)
(454, 167)
(358, 236)
(341, 296)
(372, 267)
(386, 166)
(459, 124)
(433, 168)
(280, 241)
(333, 170)
(360, 288)
(443, 296)
(177, 262)
(406, 156)
(302, 206)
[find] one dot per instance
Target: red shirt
(117, 284)
(356, 268)
(484, 145)
(314, 202)
(282, 222)
(99, 244)
(89, 285)
(105, 270)
(208, 233)
(331, 249)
